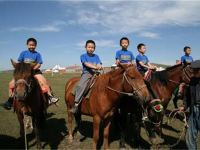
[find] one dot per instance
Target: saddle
(88, 88)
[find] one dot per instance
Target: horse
(28, 100)
(104, 98)
(161, 86)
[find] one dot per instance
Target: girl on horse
(33, 57)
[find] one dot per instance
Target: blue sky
(62, 27)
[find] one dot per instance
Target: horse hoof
(161, 140)
(153, 141)
(70, 138)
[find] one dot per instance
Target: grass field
(55, 131)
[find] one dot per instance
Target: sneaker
(74, 109)
(7, 105)
(53, 100)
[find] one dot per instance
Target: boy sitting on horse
(185, 60)
(124, 56)
(33, 57)
(90, 63)
(142, 61)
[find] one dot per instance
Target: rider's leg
(9, 102)
(85, 78)
(45, 88)
(181, 90)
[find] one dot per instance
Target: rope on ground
(174, 113)
(25, 138)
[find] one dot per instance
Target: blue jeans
(194, 128)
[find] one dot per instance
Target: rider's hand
(98, 67)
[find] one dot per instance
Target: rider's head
(90, 46)
(31, 44)
(141, 48)
(124, 43)
(187, 50)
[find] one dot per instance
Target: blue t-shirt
(144, 59)
(124, 56)
(92, 59)
(30, 57)
(186, 59)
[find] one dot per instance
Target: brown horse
(104, 98)
(28, 100)
(161, 86)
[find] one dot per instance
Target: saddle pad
(147, 75)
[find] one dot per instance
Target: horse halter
(158, 108)
(135, 91)
(27, 90)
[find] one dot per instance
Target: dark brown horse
(28, 100)
(105, 97)
(161, 86)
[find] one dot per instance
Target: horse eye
(132, 77)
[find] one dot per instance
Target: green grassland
(54, 133)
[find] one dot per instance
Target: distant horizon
(165, 27)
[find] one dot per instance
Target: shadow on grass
(8, 142)
(169, 140)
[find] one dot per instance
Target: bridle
(27, 91)
(135, 91)
(186, 75)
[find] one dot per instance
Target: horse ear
(13, 63)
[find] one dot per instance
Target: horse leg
(121, 121)
(106, 134)
(70, 120)
(96, 126)
(77, 120)
(175, 100)
(37, 134)
(136, 132)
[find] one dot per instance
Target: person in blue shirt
(142, 60)
(186, 59)
(124, 56)
(33, 57)
(90, 63)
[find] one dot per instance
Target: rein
(135, 91)
(177, 111)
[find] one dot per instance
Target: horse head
(23, 76)
(155, 112)
(134, 83)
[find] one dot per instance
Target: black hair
(31, 39)
(90, 41)
(140, 45)
(185, 48)
(124, 38)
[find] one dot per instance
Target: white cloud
(117, 17)
(54, 27)
(149, 35)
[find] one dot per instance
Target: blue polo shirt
(30, 57)
(124, 56)
(92, 59)
(186, 59)
(144, 59)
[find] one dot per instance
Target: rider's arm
(143, 65)
(37, 66)
(89, 65)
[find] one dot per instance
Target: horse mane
(163, 76)
(23, 68)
